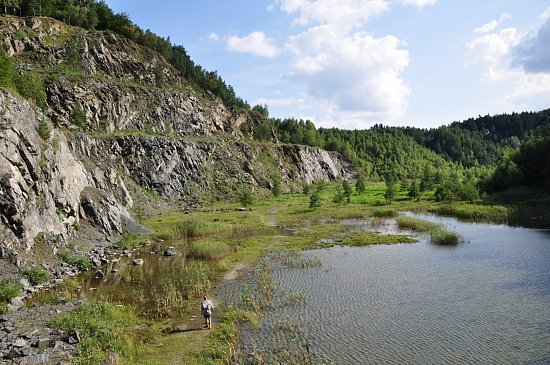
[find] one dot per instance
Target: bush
(78, 116)
(82, 262)
(37, 275)
(246, 197)
(44, 130)
(30, 86)
(9, 289)
(209, 249)
(192, 228)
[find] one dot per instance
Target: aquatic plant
(293, 259)
(209, 249)
(384, 213)
(444, 237)
(415, 224)
(492, 213)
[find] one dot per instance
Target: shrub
(78, 116)
(82, 262)
(44, 130)
(245, 196)
(30, 86)
(9, 289)
(192, 228)
(37, 275)
(209, 249)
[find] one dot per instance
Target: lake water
(484, 301)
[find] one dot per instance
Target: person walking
(206, 309)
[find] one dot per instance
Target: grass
(36, 275)
(209, 249)
(104, 329)
(475, 212)
(384, 213)
(363, 238)
(444, 237)
(416, 224)
(79, 261)
(9, 289)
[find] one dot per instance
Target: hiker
(206, 309)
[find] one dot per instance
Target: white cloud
(492, 24)
(545, 14)
(341, 14)
(213, 37)
(418, 3)
(256, 43)
(532, 88)
(291, 101)
(355, 73)
(512, 55)
(494, 50)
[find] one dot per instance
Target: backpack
(205, 310)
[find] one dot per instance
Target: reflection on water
(486, 301)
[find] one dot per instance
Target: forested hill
(476, 142)
(481, 140)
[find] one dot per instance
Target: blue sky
(353, 63)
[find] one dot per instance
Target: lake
(484, 301)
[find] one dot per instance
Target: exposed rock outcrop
(145, 127)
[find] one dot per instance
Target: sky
(353, 63)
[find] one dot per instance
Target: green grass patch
(36, 275)
(444, 237)
(363, 238)
(475, 212)
(416, 224)
(384, 213)
(104, 329)
(9, 289)
(79, 261)
(209, 249)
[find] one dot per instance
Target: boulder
(138, 262)
(170, 251)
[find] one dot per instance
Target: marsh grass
(209, 249)
(416, 224)
(384, 213)
(475, 212)
(442, 236)
(176, 296)
(103, 328)
(364, 238)
(293, 258)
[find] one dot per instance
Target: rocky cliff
(141, 128)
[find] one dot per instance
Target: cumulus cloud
(493, 50)
(353, 73)
(214, 37)
(256, 43)
(418, 3)
(349, 74)
(340, 14)
(533, 54)
(492, 24)
(545, 14)
(514, 55)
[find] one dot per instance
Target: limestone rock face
(145, 129)
(43, 184)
